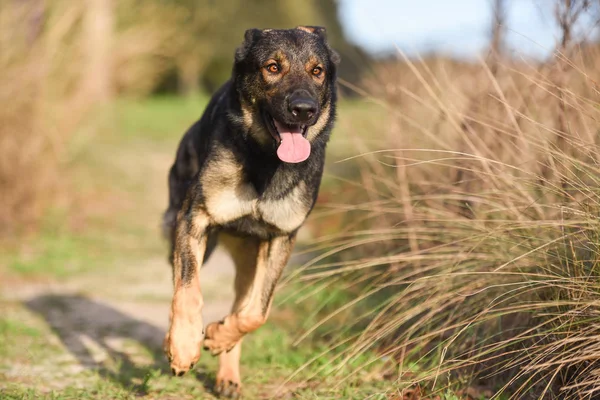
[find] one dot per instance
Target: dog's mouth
(293, 145)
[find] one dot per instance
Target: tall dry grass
(60, 62)
(29, 143)
(473, 253)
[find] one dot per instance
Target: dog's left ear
(322, 33)
(250, 37)
(334, 56)
(318, 30)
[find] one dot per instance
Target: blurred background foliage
(186, 46)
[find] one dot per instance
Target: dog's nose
(303, 108)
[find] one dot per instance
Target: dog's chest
(239, 200)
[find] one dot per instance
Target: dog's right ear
(250, 37)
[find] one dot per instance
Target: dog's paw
(218, 338)
(228, 388)
(182, 346)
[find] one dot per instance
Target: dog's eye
(317, 71)
(273, 68)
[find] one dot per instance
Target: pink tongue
(294, 148)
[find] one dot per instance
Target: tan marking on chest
(232, 203)
(288, 213)
(226, 196)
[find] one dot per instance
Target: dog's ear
(334, 56)
(317, 30)
(250, 37)
(322, 33)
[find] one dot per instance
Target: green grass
(9, 327)
(60, 253)
(158, 118)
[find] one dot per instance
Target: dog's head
(285, 80)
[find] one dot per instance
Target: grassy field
(83, 306)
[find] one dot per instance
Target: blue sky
(454, 27)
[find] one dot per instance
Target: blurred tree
(97, 36)
(497, 34)
(200, 36)
(143, 52)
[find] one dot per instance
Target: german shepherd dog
(246, 176)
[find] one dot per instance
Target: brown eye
(317, 71)
(273, 68)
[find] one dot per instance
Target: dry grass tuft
(473, 253)
(27, 144)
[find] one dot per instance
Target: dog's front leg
(183, 341)
(253, 297)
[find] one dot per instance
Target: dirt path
(143, 292)
(98, 317)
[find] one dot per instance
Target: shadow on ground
(82, 324)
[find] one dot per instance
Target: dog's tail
(169, 222)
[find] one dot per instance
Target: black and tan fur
(228, 186)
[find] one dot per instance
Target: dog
(246, 176)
